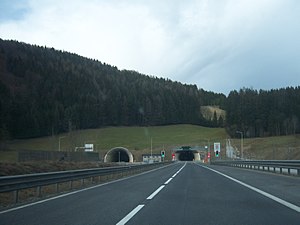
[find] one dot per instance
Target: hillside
(136, 139)
(46, 92)
(263, 113)
(270, 148)
(209, 111)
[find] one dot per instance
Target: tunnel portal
(118, 154)
(186, 156)
(187, 153)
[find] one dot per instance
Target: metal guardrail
(290, 167)
(38, 180)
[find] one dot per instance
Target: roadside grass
(271, 148)
(136, 139)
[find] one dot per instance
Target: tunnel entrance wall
(118, 154)
(187, 155)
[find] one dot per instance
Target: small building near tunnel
(118, 154)
(151, 158)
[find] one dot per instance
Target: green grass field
(133, 138)
(138, 141)
(277, 147)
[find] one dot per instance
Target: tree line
(263, 113)
(44, 91)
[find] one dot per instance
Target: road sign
(217, 146)
(89, 147)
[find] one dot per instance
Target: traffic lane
(105, 204)
(200, 196)
(282, 186)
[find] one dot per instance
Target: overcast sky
(219, 45)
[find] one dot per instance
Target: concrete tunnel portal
(186, 156)
(186, 153)
(118, 154)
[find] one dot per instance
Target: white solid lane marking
(168, 181)
(130, 215)
(274, 198)
(155, 192)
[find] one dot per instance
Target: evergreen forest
(44, 91)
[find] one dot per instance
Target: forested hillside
(264, 113)
(44, 91)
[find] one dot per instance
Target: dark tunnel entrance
(186, 156)
(119, 155)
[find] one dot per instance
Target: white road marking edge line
(274, 198)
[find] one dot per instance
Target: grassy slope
(138, 139)
(208, 112)
(282, 147)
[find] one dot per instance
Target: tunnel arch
(187, 155)
(118, 154)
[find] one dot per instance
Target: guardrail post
(39, 191)
(16, 196)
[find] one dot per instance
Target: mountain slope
(44, 91)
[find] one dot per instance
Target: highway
(182, 193)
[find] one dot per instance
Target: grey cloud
(218, 45)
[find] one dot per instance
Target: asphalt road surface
(181, 193)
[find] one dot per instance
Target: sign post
(217, 148)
